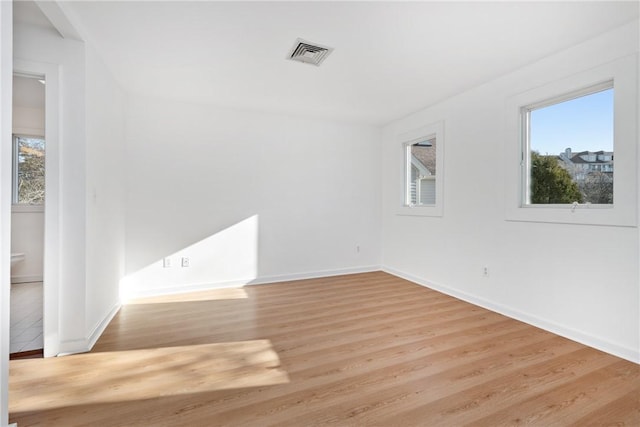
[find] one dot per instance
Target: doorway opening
(27, 216)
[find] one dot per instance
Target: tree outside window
(569, 141)
(29, 170)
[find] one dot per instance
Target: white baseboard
(179, 289)
(623, 352)
(86, 344)
(314, 274)
(73, 347)
(25, 279)
(102, 325)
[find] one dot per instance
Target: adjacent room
(320, 213)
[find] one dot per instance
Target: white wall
(28, 120)
(301, 196)
(105, 194)
(579, 281)
(27, 237)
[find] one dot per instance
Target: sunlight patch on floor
(209, 295)
(142, 374)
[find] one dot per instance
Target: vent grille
(309, 53)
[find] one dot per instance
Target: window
(568, 142)
(420, 177)
(605, 92)
(28, 170)
(422, 167)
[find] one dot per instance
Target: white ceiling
(28, 92)
(390, 58)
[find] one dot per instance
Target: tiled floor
(26, 317)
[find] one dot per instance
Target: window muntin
(420, 172)
(28, 170)
(568, 155)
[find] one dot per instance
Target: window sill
(572, 208)
(27, 208)
(605, 215)
(434, 211)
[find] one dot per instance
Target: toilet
(16, 258)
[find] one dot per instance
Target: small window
(420, 172)
(568, 149)
(28, 170)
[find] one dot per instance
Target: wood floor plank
(496, 392)
(409, 384)
(597, 387)
(356, 350)
(614, 413)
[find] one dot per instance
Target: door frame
(52, 231)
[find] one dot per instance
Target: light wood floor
(359, 350)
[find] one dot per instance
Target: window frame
(623, 73)
(407, 139)
(525, 141)
(15, 205)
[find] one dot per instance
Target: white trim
(180, 289)
(314, 274)
(569, 96)
(25, 279)
(34, 132)
(99, 328)
(27, 208)
(628, 353)
(73, 347)
(86, 344)
(52, 217)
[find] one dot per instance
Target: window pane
(571, 151)
(29, 176)
(421, 173)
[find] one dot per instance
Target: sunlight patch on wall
(209, 295)
(228, 258)
(97, 378)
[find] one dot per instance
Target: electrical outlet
(166, 262)
(485, 271)
(185, 261)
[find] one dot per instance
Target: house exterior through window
(421, 171)
(421, 185)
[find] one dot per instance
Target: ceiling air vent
(311, 53)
